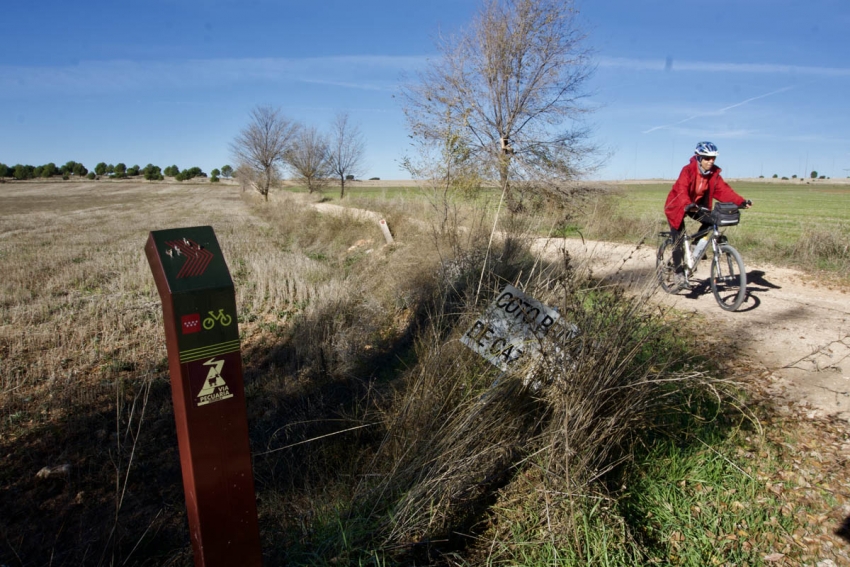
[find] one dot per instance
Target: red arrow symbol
(197, 257)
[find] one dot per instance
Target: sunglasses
(712, 158)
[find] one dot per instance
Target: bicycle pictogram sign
(223, 319)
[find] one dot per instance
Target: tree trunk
(267, 182)
(342, 186)
(504, 181)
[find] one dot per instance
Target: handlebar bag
(725, 214)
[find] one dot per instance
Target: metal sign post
(205, 361)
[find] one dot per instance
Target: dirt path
(795, 329)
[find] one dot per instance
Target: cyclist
(698, 185)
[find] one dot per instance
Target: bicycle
(222, 318)
(728, 278)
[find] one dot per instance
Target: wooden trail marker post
(205, 362)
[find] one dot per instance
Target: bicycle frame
(715, 239)
(727, 277)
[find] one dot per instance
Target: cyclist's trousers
(677, 235)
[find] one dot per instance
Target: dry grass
(321, 301)
(81, 337)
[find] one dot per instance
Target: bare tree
(308, 159)
(260, 147)
(507, 92)
(346, 150)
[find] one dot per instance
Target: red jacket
(684, 192)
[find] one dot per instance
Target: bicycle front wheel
(728, 278)
(665, 268)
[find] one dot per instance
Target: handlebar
(693, 207)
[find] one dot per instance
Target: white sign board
(513, 325)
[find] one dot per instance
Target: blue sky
(172, 81)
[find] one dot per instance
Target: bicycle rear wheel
(728, 278)
(665, 268)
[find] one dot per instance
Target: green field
(784, 210)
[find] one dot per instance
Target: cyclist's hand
(692, 207)
(747, 204)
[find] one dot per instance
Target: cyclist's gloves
(747, 204)
(691, 207)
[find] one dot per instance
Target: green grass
(698, 505)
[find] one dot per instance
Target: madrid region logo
(215, 388)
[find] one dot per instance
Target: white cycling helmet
(706, 149)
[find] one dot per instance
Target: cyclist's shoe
(682, 281)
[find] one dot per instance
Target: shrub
(91, 175)
(349, 177)
(814, 175)
(48, 170)
(152, 173)
(374, 179)
(190, 173)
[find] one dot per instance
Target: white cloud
(673, 65)
(94, 77)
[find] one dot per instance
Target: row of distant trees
(272, 144)
(20, 171)
(72, 168)
(813, 175)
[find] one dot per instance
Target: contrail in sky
(722, 110)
